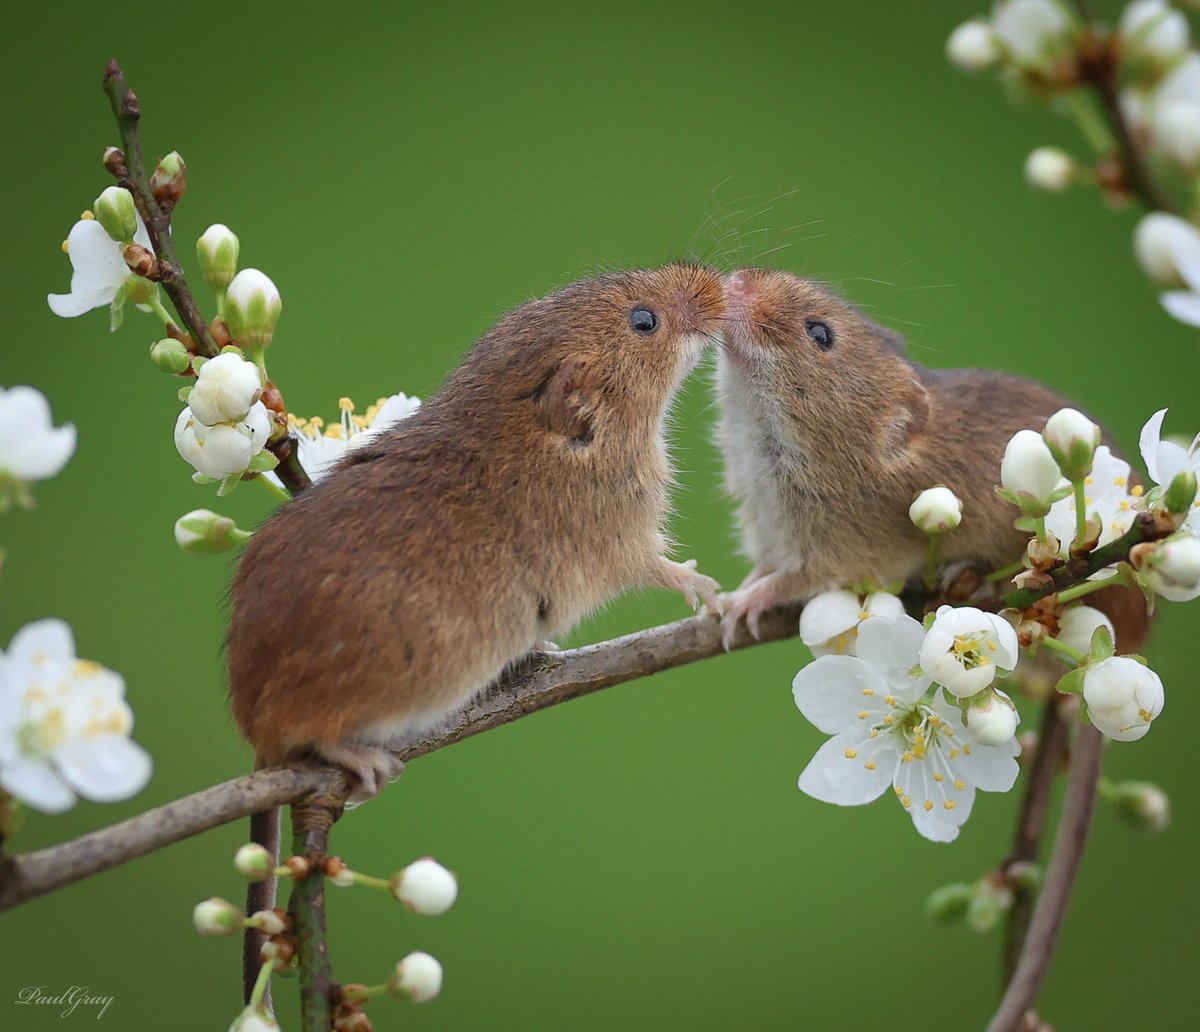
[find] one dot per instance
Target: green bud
(217, 917)
(989, 903)
(253, 862)
(115, 211)
(202, 530)
(949, 902)
(169, 180)
(1072, 439)
(1140, 804)
(217, 250)
(252, 307)
(1026, 875)
(1181, 493)
(170, 355)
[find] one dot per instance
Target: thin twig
(1031, 826)
(311, 821)
(1051, 908)
(542, 680)
(128, 111)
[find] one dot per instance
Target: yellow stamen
(928, 805)
(950, 804)
(851, 753)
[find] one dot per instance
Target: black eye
(821, 334)
(643, 321)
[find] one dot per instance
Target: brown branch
(1034, 962)
(311, 821)
(1031, 826)
(131, 174)
(542, 680)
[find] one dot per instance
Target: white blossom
(217, 250)
(965, 648)
(936, 510)
(1176, 132)
(1123, 697)
(254, 1019)
(64, 724)
(1049, 168)
(1108, 498)
(972, 46)
(1034, 32)
(1077, 625)
(252, 308)
(99, 273)
(225, 388)
(1165, 460)
(829, 622)
(321, 445)
(1029, 472)
(225, 449)
(1173, 569)
(1163, 244)
(31, 447)
(418, 977)
(425, 887)
(1153, 30)
(888, 729)
(992, 717)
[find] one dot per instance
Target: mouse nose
(738, 283)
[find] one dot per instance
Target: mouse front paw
(697, 589)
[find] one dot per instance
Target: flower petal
(40, 641)
(36, 783)
(827, 615)
(833, 690)
(1182, 305)
(839, 771)
(892, 647)
(95, 257)
(105, 769)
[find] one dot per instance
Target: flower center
(969, 649)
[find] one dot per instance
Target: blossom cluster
(321, 444)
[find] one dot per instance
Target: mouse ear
(907, 420)
(567, 400)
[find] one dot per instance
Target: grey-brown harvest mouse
(529, 491)
(829, 431)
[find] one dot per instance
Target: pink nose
(738, 283)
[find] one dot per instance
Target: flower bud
(216, 917)
(949, 902)
(1077, 625)
(992, 899)
(1072, 439)
(1140, 804)
(1176, 132)
(1172, 568)
(225, 449)
(1123, 697)
(992, 717)
(115, 211)
(254, 1019)
(936, 510)
(253, 862)
(270, 922)
(1034, 32)
(170, 355)
(1160, 242)
(425, 887)
(1050, 169)
(169, 180)
(252, 307)
(1029, 472)
(418, 977)
(225, 388)
(1151, 30)
(972, 46)
(1181, 492)
(217, 250)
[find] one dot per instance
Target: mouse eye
(643, 321)
(821, 334)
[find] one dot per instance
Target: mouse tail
(264, 831)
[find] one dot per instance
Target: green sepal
(1059, 493)
(1071, 683)
(1102, 646)
(183, 392)
(1006, 495)
(263, 462)
(228, 484)
(202, 478)
(116, 314)
(949, 902)
(1026, 524)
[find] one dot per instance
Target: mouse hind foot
(372, 765)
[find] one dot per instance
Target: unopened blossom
(1165, 460)
(252, 308)
(64, 724)
(992, 717)
(321, 445)
(225, 449)
(1108, 497)
(99, 273)
(1163, 244)
(1140, 804)
(1050, 168)
(891, 728)
(203, 530)
(254, 1018)
(965, 648)
(32, 448)
(1072, 439)
(1175, 132)
(425, 887)
(1173, 568)
(216, 916)
(829, 621)
(1154, 31)
(1028, 471)
(115, 211)
(254, 862)
(1034, 32)
(1123, 697)
(418, 977)
(973, 46)
(217, 250)
(225, 388)
(1077, 626)
(936, 510)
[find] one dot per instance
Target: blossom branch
(541, 681)
(1034, 962)
(311, 821)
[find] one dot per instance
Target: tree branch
(311, 821)
(540, 681)
(1051, 908)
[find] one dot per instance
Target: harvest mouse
(829, 431)
(529, 491)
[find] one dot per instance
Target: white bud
(254, 862)
(225, 388)
(1153, 30)
(216, 917)
(965, 648)
(1123, 697)
(1176, 131)
(992, 718)
(203, 530)
(1141, 804)
(972, 46)
(1030, 472)
(222, 450)
(1035, 32)
(1072, 439)
(254, 1019)
(115, 211)
(936, 510)
(418, 977)
(252, 307)
(1161, 242)
(217, 250)
(425, 887)
(269, 922)
(1050, 168)
(1173, 568)
(1077, 625)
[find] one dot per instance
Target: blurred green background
(640, 859)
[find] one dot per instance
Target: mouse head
(812, 370)
(597, 362)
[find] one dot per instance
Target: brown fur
(529, 491)
(826, 449)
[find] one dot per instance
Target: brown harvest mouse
(529, 491)
(829, 431)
